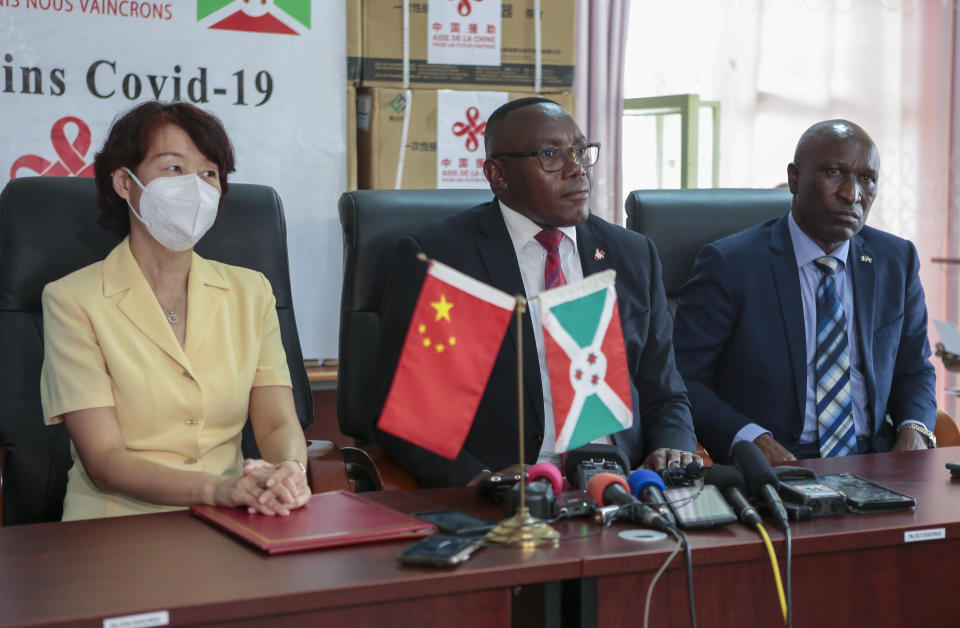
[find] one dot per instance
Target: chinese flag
(454, 337)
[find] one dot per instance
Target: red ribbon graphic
(463, 7)
(471, 129)
(71, 156)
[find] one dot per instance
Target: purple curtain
(598, 88)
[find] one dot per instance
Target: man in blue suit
(806, 332)
(539, 168)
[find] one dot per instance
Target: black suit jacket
(741, 344)
(477, 243)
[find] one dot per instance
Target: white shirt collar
(522, 230)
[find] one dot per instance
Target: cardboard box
(351, 137)
(354, 40)
(383, 49)
(380, 114)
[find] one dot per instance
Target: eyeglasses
(553, 159)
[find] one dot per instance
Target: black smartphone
(699, 507)
(954, 469)
(455, 522)
(440, 550)
(866, 496)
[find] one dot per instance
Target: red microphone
(612, 490)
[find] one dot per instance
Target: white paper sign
(461, 119)
(140, 620)
(273, 72)
(464, 32)
(933, 534)
(949, 336)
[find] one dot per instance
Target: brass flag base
(523, 531)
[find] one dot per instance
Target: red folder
(327, 520)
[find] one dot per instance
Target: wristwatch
(931, 439)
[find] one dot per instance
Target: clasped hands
(266, 488)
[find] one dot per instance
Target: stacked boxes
(383, 47)
(441, 116)
(380, 115)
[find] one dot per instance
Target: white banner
(461, 120)
(272, 70)
(464, 32)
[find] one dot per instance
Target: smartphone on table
(954, 468)
(866, 496)
(440, 550)
(455, 522)
(699, 507)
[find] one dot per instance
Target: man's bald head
(829, 130)
(497, 119)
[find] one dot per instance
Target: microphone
(648, 487)
(546, 472)
(585, 462)
(762, 482)
(730, 482)
(681, 476)
(612, 490)
(543, 486)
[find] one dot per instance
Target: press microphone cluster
(612, 490)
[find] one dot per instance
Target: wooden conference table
(854, 570)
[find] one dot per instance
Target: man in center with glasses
(538, 233)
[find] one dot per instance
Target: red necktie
(552, 273)
(553, 277)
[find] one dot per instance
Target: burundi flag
(454, 337)
(586, 360)
(284, 17)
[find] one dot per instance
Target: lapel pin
(598, 254)
(866, 258)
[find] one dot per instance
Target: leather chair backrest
(373, 223)
(48, 229)
(681, 222)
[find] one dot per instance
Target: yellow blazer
(107, 342)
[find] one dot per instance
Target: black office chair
(47, 230)
(681, 222)
(373, 223)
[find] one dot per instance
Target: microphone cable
(653, 582)
(787, 536)
(689, 560)
(776, 570)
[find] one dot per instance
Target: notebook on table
(328, 520)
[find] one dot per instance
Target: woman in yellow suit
(155, 357)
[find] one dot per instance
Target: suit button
(190, 461)
(794, 437)
(539, 439)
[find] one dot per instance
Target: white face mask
(177, 211)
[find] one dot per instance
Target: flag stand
(522, 530)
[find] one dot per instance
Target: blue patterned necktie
(838, 436)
